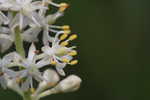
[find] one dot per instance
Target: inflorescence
(29, 74)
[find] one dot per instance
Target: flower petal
(31, 53)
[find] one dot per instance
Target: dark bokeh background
(114, 50)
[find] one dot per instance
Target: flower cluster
(38, 73)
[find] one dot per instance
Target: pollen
(65, 60)
(72, 37)
(73, 62)
(63, 7)
(53, 62)
(65, 43)
(72, 53)
(65, 27)
(64, 36)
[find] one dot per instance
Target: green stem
(19, 42)
(20, 50)
(27, 96)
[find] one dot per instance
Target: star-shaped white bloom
(46, 21)
(30, 68)
(45, 26)
(5, 72)
(7, 35)
(58, 54)
(26, 8)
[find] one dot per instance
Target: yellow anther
(65, 43)
(63, 6)
(65, 27)
(32, 90)
(65, 60)
(53, 62)
(73, 62)
(67, 31)
(72, 53)
(64, 36)
(72, 37)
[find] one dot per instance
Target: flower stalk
(20, 50)
(24, 20)
(19, 41)
(27, 97)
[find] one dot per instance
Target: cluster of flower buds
(24, 20)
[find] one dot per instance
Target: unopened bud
(14, 86)
(51, 76)
(70, 84)
(51, 79)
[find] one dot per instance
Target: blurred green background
(114, 51)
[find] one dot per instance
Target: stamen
(72, 37)
(72, 53)
(63, 6)
(67, 31)
(65, 60)
(73, 62)
(54, 4)
(53, 62)
(65, 43)
(64, 36)
(66, 27)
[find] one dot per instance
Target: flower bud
(70, 84)
(14, 86)
(51, 78)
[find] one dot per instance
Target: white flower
(46, 21)
(26, 8)
(12, 84)
(30, 68)
(24, 20)
(51, 78)
(7, 37)
(4, 71)
(46, 26)
(60, 55)
(6, 41)
(69, 84)
(3, 18)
